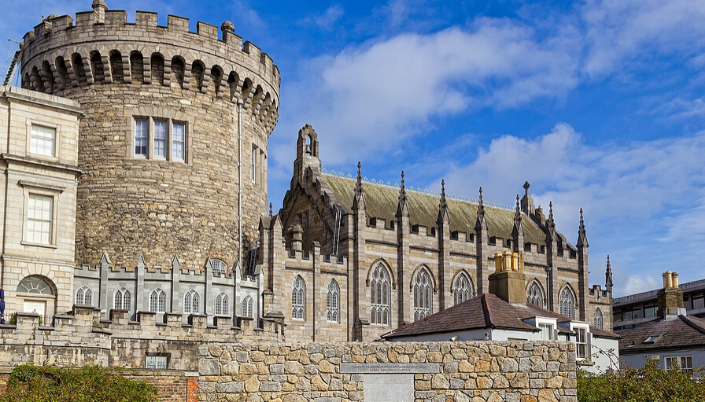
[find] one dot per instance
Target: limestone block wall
(459, 371)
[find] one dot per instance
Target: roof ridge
(486, 310)
(687, 320)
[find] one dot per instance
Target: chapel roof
(382, 200)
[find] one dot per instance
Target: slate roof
(681, 332)
(382, 202)
(485, 311)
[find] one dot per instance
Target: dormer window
(547, 327)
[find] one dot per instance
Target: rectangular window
(160, 134)
(42, 140)
(40, 211)
(547, 332)
(179, 141)
(684, 363)
(581, 343)
(156, 362)
(650, 310)
(254, 164)
(698, 301)
(141, 137)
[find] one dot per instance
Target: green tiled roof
(382, 201)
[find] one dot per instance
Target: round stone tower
(159, 146)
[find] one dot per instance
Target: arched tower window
(84, 296)
(333, 302)
(247, 310)
(423, 292)
(121, 299)
(463, 289)
(535, 295)
(97, 67)
(157, 67)
(598, 319)
(178, 68)
(298, 299)
(157, 301)
(116, 67)
(191, 301)
(380, 285)
(567, 303)
(221, 304)
(137, 67)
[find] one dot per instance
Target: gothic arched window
(567, 303)
(463, 289)
(333, 302)
(247, 309)
(221, 304)
(380, 285)
(423, 301)
(121, 300)
(84, 296)
(157, 301)
(535, 295)
(298, 299)
(598, 319)
(191, 300)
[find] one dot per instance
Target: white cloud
(371, 96)
(617, 31)
(326, 20)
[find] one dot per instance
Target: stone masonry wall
(159, 206)
(467, 371)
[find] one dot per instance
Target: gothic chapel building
(409, 254)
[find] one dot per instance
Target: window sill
(584, 362)
(42, 245)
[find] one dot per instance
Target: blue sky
(598, 104)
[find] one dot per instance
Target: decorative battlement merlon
(176, 23)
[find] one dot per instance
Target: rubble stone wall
(465, 371)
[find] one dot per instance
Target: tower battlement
(62, 55)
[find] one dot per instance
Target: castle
(136, 184)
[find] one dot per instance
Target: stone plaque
(389, 368)
(388, 387)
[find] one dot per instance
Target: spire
(518, 231)
(481, 206)
(608, 275)
(582, 236)
(442, 206)
(481, 223)
(402, 208)
(359, 199)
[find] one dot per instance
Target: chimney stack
(508, 281)
(670, 298)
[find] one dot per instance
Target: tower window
(160, 139)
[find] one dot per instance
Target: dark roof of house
(382, 201)
(485, 311)
(681, 332)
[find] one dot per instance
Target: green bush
(90, 383)
(647, 384)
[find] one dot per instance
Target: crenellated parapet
(101, 48)
(121, 341)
